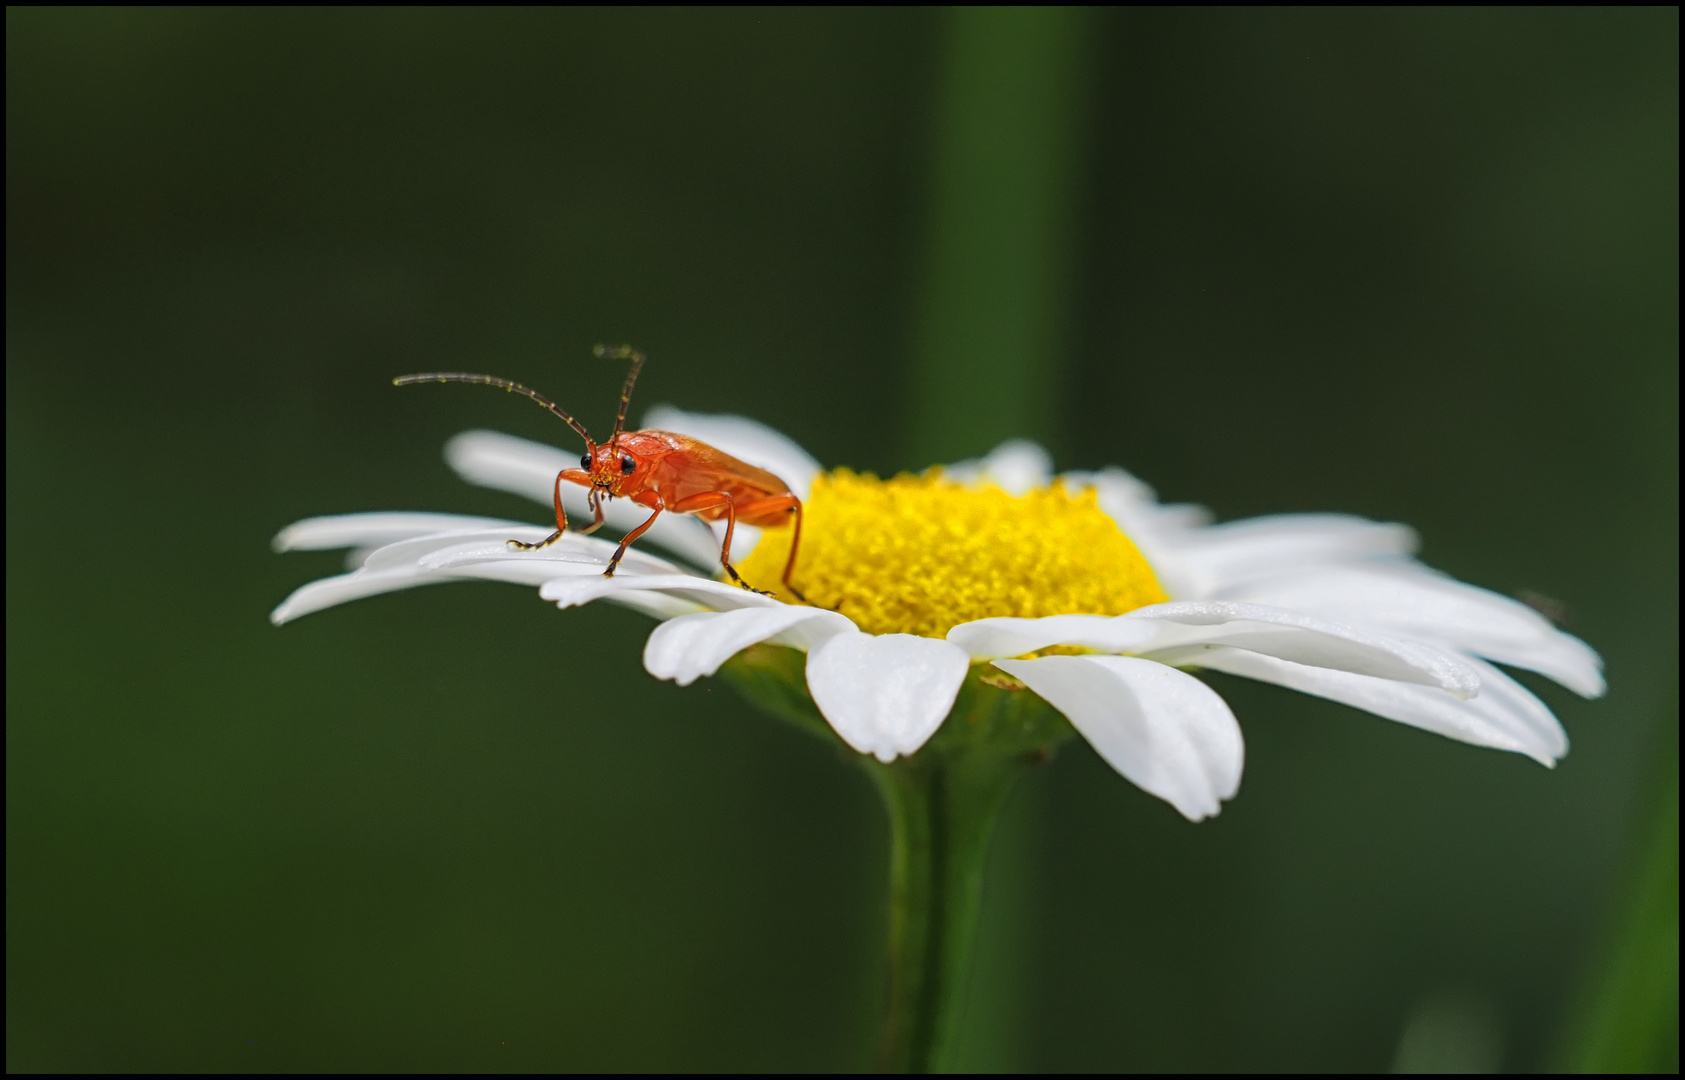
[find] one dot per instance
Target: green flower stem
(942, 804)
(941, 815)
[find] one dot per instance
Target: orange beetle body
(669, 468)
(661, 471)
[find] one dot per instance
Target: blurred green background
(1418, 265)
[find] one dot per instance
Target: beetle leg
(620, 552)
(708, 500)
(561, 520)
(795, 545)
(725, 545)
(544, 543)
(596, 498)
(772, 504)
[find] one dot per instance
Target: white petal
(1015, 466)
(1163, 729)
(1235, 551)
(413, 550)
(495, 460)
(574, 591)
(692, 646)
(377, 529)
(1018, 466)
(1135, 506)
(1505, 715)
(523, 467)
(566, 555)
(986, 639)
(536, 574)
(1161, 532)
(1515, 708)
(394, 566)
(1178, 625)
(328, 592)
(513, 571)
(1422, 603)
(885, 694)
(489, 534)
(475, 553)
(360, 584)
(1305, 639)
(819, 627)
(744, 439)
(1562, 657)
(1333, 535)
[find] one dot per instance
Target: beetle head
(614, 470)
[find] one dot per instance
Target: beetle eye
(627, 465)
(585, 461)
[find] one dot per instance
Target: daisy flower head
(992, 606)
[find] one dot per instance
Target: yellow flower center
(922, 554)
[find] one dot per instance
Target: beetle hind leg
(737, 580)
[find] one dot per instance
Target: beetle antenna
(511, 387)
(622, 352)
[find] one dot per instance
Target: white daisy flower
(1082, 591)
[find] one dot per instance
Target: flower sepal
(771, 677)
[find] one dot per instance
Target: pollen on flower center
(922, 554)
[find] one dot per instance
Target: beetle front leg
(577, 476)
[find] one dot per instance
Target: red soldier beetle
(659, 470)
